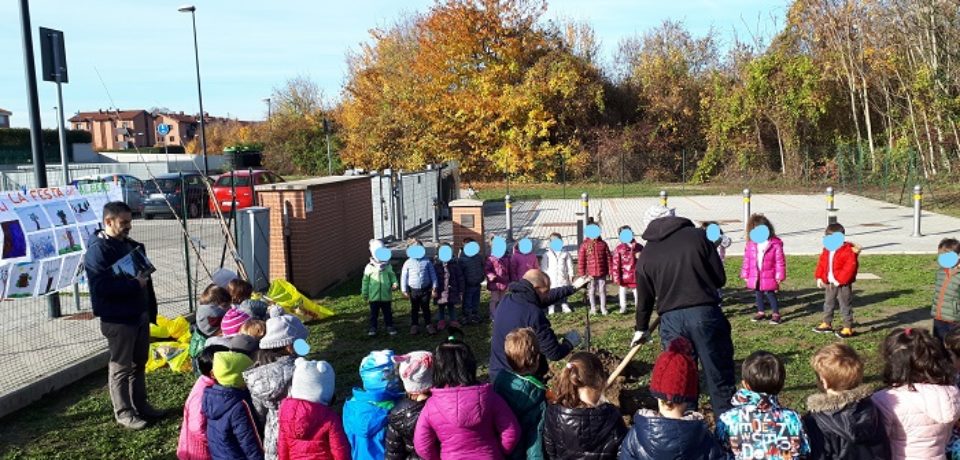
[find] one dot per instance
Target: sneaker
(414, 330)
(623, 310)
(845, 333)
(392, 330)
(371, 332)
(604, 312)
(132, 422)
(455, 324)
(441, 325)
(431, 330)
(823, 328)
(775, 319)
(566, 308)
(760, 316)
(593, 311)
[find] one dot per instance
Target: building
(117, 129)
(5, 118)
(182, 128)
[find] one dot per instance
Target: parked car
(241, 181)
(131, 188)
(169, 188)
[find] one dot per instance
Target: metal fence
(22, 177)
(405, 202)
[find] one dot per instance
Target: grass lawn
(77, 422)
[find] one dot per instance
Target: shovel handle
(626, 359)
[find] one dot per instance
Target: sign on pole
(163, 129)
(53, 55)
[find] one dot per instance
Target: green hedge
(15, 145)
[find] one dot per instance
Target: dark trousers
(771, 297)
(129, 345)
(842, 294)
(709, 332)
(419, 301)
(942, 328)
(375, 308)
(471, 301)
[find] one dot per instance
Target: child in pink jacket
(193, 432)
(520, 262)
(462, 418)
(497, 270)
(309, 428)
(764, 267)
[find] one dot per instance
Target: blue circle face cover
(833, 241)
(556, 244)
(471, 249)
(499, 247)
(626, 236)
(301, 347)
(760, 234)
(948, 259)
(445, 254)
(525, 246)
(416, 252)
(592, 231)
(383, 254)
(713, 232)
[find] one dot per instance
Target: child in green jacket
(379, 282)
(523, 391)
(946, 290)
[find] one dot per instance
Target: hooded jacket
(558, 266)
(401, 425)
(497, 271)
(593, 433)
(774, 266)
(193, 432)
(679, 268)
(845, 264)
(520, 263)
(310, 430)
(469, 422)
(472, 267)
(231, 429)
(522, 308)
(378, 282)
(526, 397)
(594, 258)
(654, 437)
(365, 422)
(780, 435)
(946, 296)
(845, 426)
(116, 299)
(918, 421)
(450, 283)
(269, 385)
(623, 264)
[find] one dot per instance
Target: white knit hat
(313, 381)
(374, 245)
(416, 371)
(655, 212)
(282, 330)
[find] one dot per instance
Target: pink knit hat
(232, 321)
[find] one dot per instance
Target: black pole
(36, 141)
(186, 241)
(203, 131)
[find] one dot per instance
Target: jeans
(375, 308)
(420, 301)
(942, 328)
(446, 311)
(598, 288)
(771, 299)
(842, 294)
(129, 345)
(471, 301)
(709, 332)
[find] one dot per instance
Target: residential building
(117, 129)
(5, 118)
(182, 128)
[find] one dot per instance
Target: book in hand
(133, 265)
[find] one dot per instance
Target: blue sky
(143, 50)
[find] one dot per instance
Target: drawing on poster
(33, 218)
(82, 209)
(60, 213)
(14, 241)
(41, 245)
(4, 276)
(68, 240)
(68, 272)
(23, 279)
(87, 232)
(49, 276)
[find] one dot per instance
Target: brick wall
(464, 213)
(328, 244)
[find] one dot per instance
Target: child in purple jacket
(497, 270)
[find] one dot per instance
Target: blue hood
(365, 414)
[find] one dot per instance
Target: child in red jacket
(309, 428)
(593, 260)
(836, 271)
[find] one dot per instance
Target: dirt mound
(628, 391)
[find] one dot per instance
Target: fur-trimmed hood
(824, 402)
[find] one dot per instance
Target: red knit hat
(675, 374)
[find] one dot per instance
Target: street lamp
(196, 54)
(269, 107)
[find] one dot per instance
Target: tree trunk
(866, 118)
(916, 134)
(783, 158)
(926, 127)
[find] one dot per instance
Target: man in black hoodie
(680, 272)
(125, 308)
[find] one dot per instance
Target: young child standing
(365, 414)
(672, 432)
(921, 402)
(472, 267)
(418, 280)
(463, 418)
(497, 270)
(193, 431)
(582, 423)
(843, 423)
(836, 272)
(946, 293)
(558, 265)
(764, 268)
(416, 372)
(623, 268)
(379, 282)
(952, 344)
(231, 428)
(757, 426)
(449, 293)
(309, 428)
(214, 302)
(523, 391)
(721, 243)
(520, 263)
(593, 260)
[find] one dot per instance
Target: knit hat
(377, 371)
(675, 373)
(313, 381)
(228, 367)
(230, 325)
(223, 277)
(416, 371)
(655, 212)
(256, 308)
(374, 245)
(282, 330)
(208, 319)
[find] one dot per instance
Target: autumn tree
(294, 140)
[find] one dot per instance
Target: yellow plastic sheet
(287, 296)
(173, 354)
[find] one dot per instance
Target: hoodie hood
(218, 400)
(366, 412)
(752, 401)
(524, 292)
(660, 229)
(671, 438)
(463, 407)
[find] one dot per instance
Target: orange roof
(104, 115)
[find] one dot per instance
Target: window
(173, 138)
(225, 181)
(261, 179)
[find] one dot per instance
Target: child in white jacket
(558, 265)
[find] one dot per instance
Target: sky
(135, 54)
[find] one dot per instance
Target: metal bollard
(582, 223)
(831, 210)
(508, 203)
(436, 226)
(746, 212)
(917, 205)
(663, 198)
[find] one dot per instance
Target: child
(594, 261)
(952, 344)
(523, 392)
(520, 263)
(309, 428)
(497, 270)
(582, 423)
(418, 280)
(193, 432)
(558, 265)
(946, 293)
(623, 268)
(254, 328)
(672, 432)
(269, 382)
(757, 426)
(843, 423)
(379, 282)
(921, 402)
(722, 243)
(836, 271)
(256, 308)
(472, 267)
(231, 336)
(416, 372)
(764, 268)
(231, 429)
(239, 290)
(463, 418)
(214, 302)
(365, 414)
(449, 293)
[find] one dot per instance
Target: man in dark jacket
(524, 306)
(680, 272)
(124, 306)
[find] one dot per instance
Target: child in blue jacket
(365, 414)
(231, 429)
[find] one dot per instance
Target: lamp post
(196, 55)
(269, 108)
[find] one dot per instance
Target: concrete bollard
(746, 212)
(917, 207)
(508, 204)
(831, 209)
(663, 198)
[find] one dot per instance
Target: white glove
(820, 284)
(581, 282)
(639, 337)
(835, 284)
(573, 337)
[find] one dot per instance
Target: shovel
(626, 359)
